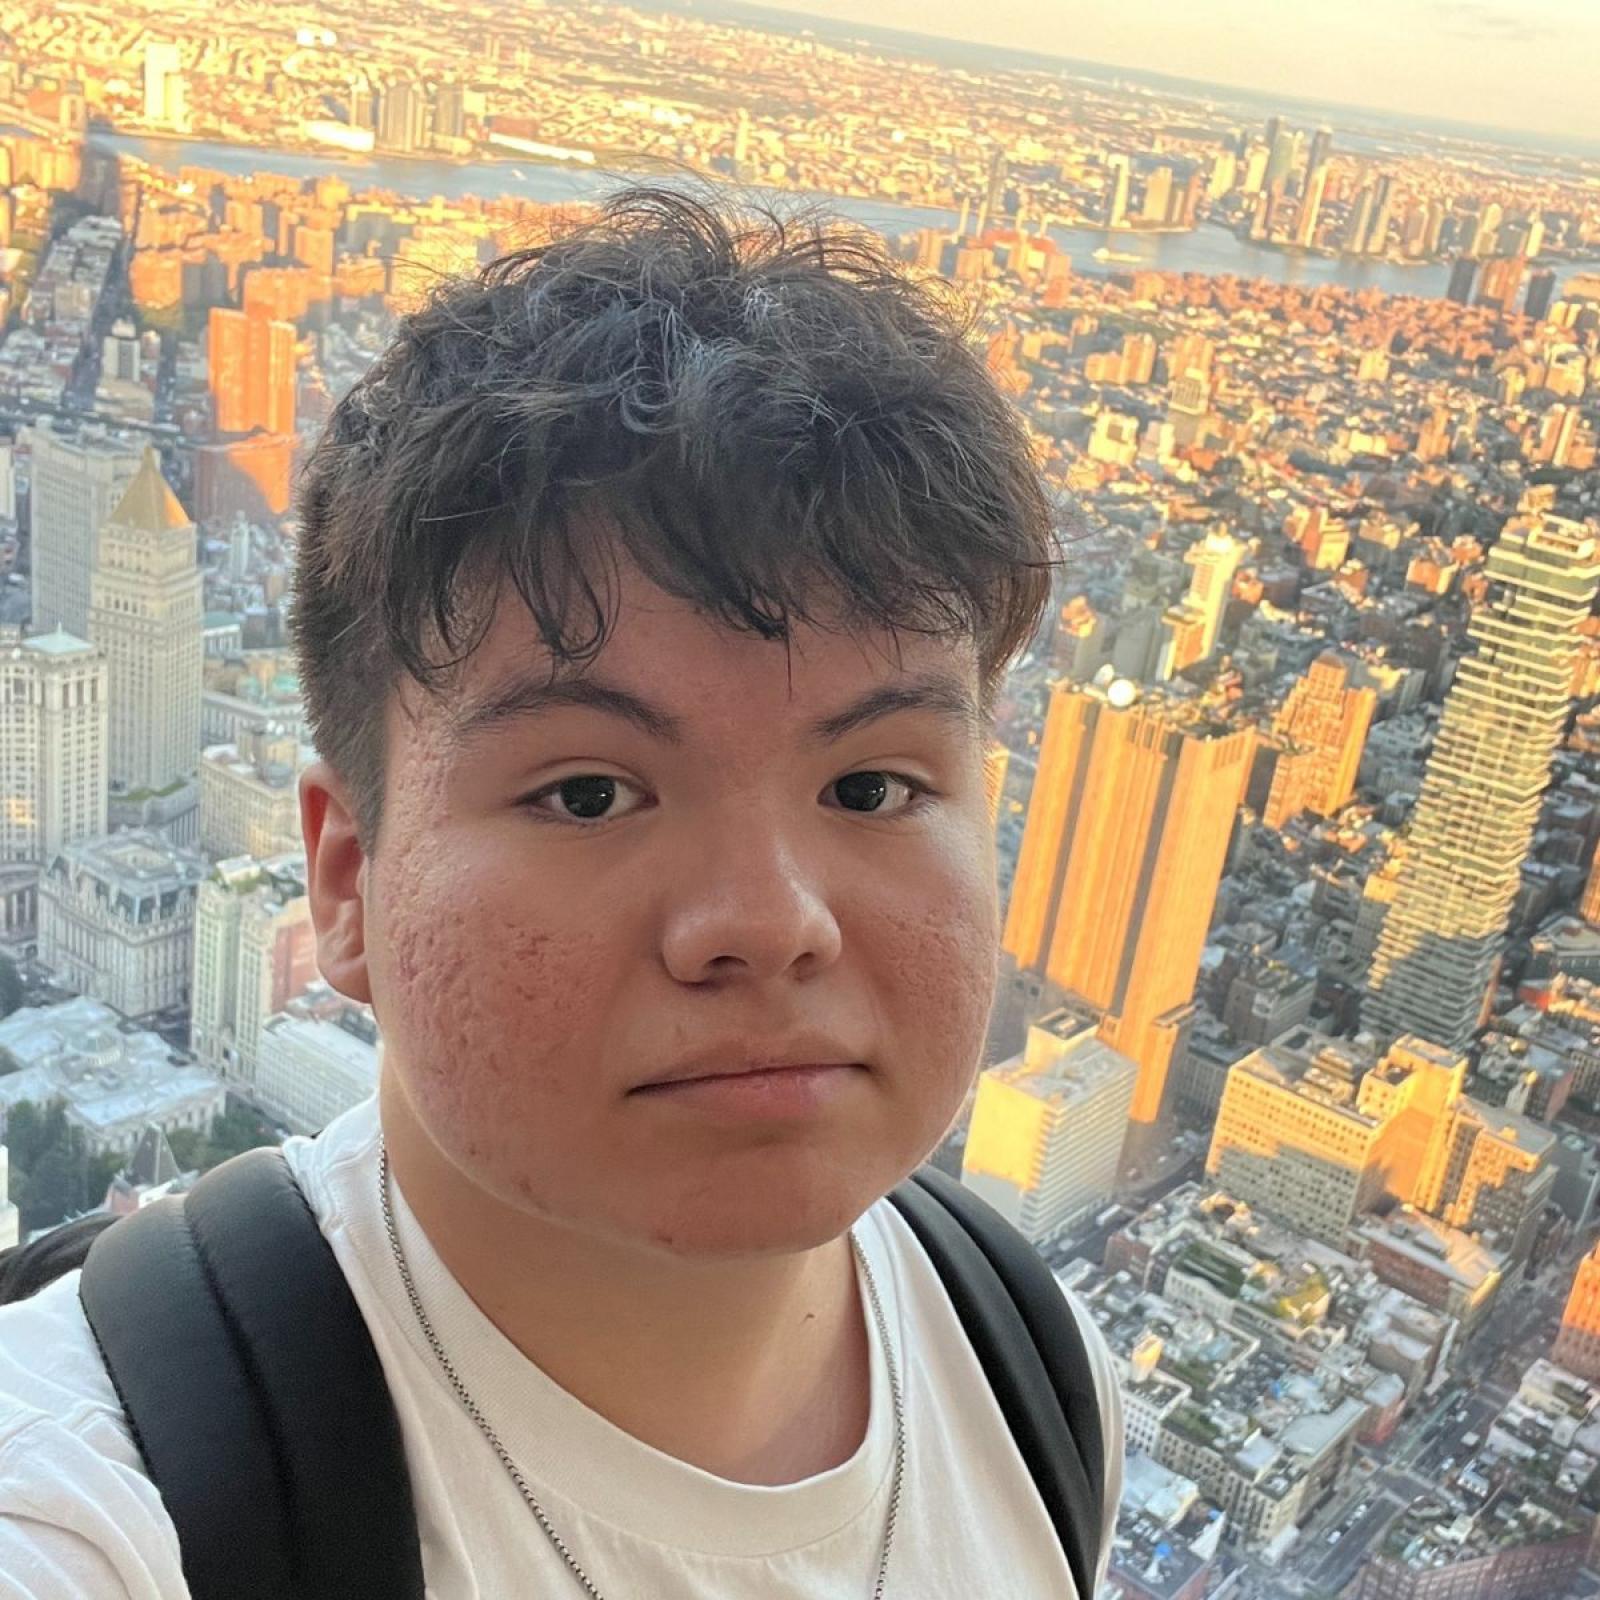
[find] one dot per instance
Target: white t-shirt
(79, 1520)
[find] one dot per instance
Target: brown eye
(585, 797)
(867, 792)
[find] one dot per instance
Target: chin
(755, 1219)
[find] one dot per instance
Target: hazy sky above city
(1528, 64)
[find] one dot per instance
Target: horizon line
(1585, 149)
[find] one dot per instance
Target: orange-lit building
(1324, 723)
(1578, 1343)
(1127, 832)
(995, 761)
(251, 371)
(358, 277)
(284, 293)
(1589, 906)
(250, 476)
(155, 278)
(313, 247)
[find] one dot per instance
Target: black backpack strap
(1030, 1346)
(254, 1393)
(26, 1268)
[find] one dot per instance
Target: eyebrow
(528, 696)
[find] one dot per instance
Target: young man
(652, 593)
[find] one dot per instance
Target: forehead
(666, 651)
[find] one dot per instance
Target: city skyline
(1315, 401)
(1464, 65)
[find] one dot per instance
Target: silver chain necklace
(471, 1406)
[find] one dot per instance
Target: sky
(1521, 64)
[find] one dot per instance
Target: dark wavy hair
(767, 414)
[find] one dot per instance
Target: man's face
(565, 905)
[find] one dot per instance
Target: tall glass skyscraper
(1440, 947)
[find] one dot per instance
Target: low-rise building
(116, 919)
(310, 1069)
(115, 1080)
(1165, 1547)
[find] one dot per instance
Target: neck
(754, 1369)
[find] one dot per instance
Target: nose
(751, 901)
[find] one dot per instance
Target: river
(1212, 251)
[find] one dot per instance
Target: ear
(336, 880)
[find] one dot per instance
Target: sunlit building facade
(1578, 1343)
(1124, 846)
(1324, 723)
(1048, 1128)
(1439, 952)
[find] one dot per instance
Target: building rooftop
(1434, 1244)
(58, 642)
(115, 1078)
(138, 862)
(148, 502)
(1315, 1066)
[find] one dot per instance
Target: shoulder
(916, 1268)
(79, 1519)
(925, 1291)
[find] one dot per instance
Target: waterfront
(1208, 250)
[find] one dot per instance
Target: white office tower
(1439, 952)
(1212, 562)
(75, 483)
(254, 952)
(147, 613)
(53, 719)
(1048, 1126)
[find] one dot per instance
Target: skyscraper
(53, 739)
(1589, 906)
(1462, 274)
(1212, 561)
(402, 118)
(1355, 233)
(1283, 151)
(254, 952)
(1486, 234)
(1541, 291)
(449, 110)
(1305, 228)
(1119, 175)
(250, 369)
(994, 193)
(1439, 952)
(147, 613)
(1157, 205)
(1122, 853)
(77, 479)
(1578, 1343)
(1321, 148)
(1501, 281)
(1378, 235)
